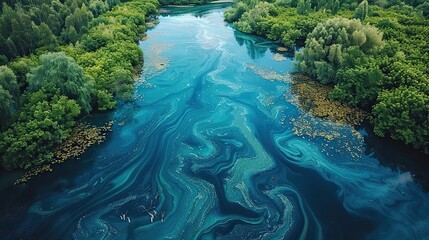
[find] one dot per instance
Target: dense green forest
(374, 53)
(60, 61)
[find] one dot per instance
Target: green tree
(234, 13)
(76, 24)
(8, 14)
(358, 86)
(361, 11)
(23, 33)
(21, 67)
(43, 123)
(7, 105)
(403, 114)
(7, 48)
(249, 21)
(58, 71)
(304, 7)
(9, 95)
(47, 39)
(8, 82)
(328, 44)
(98, 7)
(425, 9)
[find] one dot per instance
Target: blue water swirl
(207, 151)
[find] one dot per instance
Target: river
(214, 146)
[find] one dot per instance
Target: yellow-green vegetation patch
(82, 137)
(155, 61)
(279, 57)
(325, 118)
(269, 74)
(314, 98)
(338, 138)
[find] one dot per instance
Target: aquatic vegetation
(279, 57)
(155, 61)
(82, 137)
(314, 97)
(269, 74)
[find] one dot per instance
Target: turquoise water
(213, 146)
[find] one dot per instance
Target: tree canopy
(63, 58)
(333, 41)
(58, 71)
(45, 121)
(9, 95)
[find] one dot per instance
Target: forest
(60, 61)
(374, 53)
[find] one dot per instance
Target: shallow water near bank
(215, 146)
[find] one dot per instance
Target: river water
(215, 146)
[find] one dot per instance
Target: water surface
(214, 146)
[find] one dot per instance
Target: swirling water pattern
(204, 152)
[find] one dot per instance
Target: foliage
(9, 95)
(388, 76)
(331, 42)
(361, 11)
(304, 7)
(108, 53)
(58, 71)
(44, 121)
(248, 22)
(402, 113)
(7, 105)
(43, 92)
(282, 24)
(234, 13)
(21, 67)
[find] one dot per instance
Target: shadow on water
(18, 199)
(398, 156)
(256, 47)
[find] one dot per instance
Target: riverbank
(373, 79)
(105, 65)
